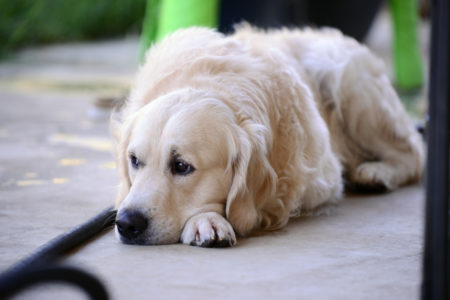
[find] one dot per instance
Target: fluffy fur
(272, 122)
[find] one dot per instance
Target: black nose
(131, 223)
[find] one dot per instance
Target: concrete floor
(57, 170)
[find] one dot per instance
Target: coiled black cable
(41, 266)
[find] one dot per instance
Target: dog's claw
(216, 243)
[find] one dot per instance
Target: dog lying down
(225, 135)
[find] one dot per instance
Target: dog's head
(183, 154)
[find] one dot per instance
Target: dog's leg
(208, 230)
(382, 147)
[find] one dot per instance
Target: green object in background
(165, 16)
(407, 58)
(32, 22)
(149, 27)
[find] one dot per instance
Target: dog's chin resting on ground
(225, 135)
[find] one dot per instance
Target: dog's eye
(135, 163)
(180, 167)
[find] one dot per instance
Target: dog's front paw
(208, 230)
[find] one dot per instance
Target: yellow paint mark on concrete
(30, 175)
(94, 143)
(116, 86)
(30, 182)
(60, 180)
(72, 162)
(109, 165)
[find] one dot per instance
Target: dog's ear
(115, 124)
(121, 132)
(254, 180)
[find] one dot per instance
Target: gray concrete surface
(57, 170)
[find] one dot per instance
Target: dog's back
(370, 130)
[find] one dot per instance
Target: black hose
(40, 267)
(15, 282)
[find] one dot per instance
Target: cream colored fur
(273, 123)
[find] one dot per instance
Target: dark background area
(34, 22)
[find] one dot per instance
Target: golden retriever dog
(225, 135)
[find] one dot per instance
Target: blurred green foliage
(28, 22)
